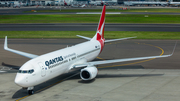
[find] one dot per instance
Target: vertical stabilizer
(100, 30)
(99, 36)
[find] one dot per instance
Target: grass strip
(167, 10)
(110, 18)
(72, 34)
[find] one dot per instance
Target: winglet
(5, 43)
(18, 52)
(174, 48)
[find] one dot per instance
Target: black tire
(30, 92)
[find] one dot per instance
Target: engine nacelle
(88, 73)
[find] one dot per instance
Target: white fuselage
(50, 65)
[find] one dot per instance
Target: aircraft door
(43, 71)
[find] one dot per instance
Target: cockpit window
(31, 71)
(19, 71)
(26, 71)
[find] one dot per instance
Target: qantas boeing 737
(47, 66)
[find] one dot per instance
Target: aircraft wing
(28, 55)
(117, 60)
(125, 60)
(120, 60)
(8, 71)
(8, 68)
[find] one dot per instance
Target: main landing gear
(30, 90)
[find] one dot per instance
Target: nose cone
(20, 80)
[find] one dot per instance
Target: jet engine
(88, 73)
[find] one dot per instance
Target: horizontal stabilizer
(28, 55)
(119, 39)
(87, 38)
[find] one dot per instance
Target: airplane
(92, 3)
(42, 68)
(107, 3)
(83, 6)
(78, 6)
(96, 3)
(65, 3)
(174, 3)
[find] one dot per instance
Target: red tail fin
(100, 31)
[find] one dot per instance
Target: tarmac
(147, 80)
(90, 27)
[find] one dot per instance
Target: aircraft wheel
(30, 92)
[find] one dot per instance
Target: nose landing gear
(30, 90)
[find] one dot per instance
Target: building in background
(89, 2)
